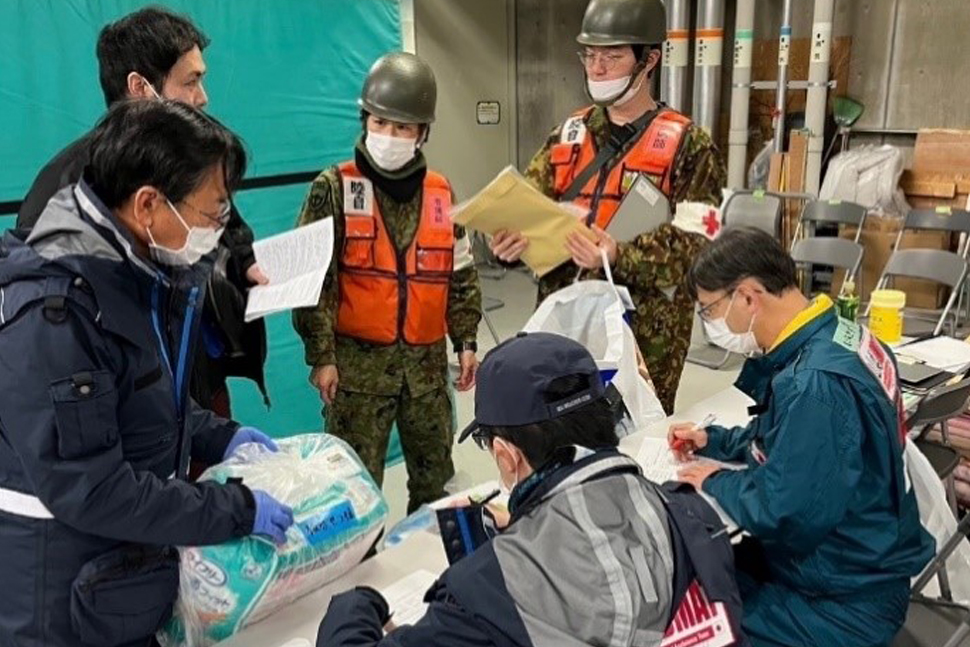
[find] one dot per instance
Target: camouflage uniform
(653, 266)
(400, 382)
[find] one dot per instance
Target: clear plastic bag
(338, 511)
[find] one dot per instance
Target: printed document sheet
(295, 262)
(405, 598)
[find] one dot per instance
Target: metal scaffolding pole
(818, 81)
(708, 49)
(673, 73)
(741, 94)
(784, 46)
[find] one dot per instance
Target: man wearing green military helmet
(403, 281)
(592, 160)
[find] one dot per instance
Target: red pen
(680, 444)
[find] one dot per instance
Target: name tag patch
(358, 196)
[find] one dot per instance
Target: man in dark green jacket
(835, 527)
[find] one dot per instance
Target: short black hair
(592, 425)
(149, 41)
(165, 144)
(740, 253)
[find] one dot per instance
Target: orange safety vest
(386, 296)
(653, 155)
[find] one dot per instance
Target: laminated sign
(699, 622)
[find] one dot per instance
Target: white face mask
(390, 153)
(609, 92)
(199, 242)
(742, 343)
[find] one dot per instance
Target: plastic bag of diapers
(338, 512)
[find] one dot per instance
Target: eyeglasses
(609, 61)
(482, 439)
(221, 218)
(704, 312)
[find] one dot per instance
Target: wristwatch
(467, 345)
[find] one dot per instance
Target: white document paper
(944, 353)
(405, 598)
(660, 465)
(296, 263)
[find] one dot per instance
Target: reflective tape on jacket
(23, 505)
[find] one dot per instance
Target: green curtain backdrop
(284, 74)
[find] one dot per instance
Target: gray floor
(517, 290)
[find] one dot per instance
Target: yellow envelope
(511, 202)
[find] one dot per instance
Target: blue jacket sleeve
(210, 434)
(803, 489)
(70, 446)
(728, 445)
(356, 619)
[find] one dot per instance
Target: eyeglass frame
(609, 61)
(222, 219)
(482, 439)
(705, 312)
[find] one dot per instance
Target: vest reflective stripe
(653, 155)
(23, 505)
(386, 296)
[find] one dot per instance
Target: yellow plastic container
(886, 316)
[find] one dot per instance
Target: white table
(423, 550)
(301, 619)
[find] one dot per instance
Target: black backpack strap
(55, 295)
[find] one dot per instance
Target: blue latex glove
(245, 435)
(272, 517)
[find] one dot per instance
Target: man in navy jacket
(99, 317)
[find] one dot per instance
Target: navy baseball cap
(515, 375)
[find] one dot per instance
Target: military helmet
(400, 87)
(623, 22)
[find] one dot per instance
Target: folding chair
(759, 209)
(931, 622)
(836, 252)
(954, 221)
(833, 212)
(938, 266)
(939, 407)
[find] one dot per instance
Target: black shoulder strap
(619, 138)
(55, 295)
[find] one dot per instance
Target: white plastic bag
(591, 312)
(338, 514)
(937, 517)
(868, 175)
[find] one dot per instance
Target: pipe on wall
(674, 71)
(741, 94)
(781, 94)
(818, 80)
(708, 50)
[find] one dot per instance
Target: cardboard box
(930, 189)
(878, 237)
(794, 183)
(942, 151)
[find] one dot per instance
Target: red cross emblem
(711, 222)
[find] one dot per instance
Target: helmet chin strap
(638, 68)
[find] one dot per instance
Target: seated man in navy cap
(594, 554)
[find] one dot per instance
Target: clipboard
(643, 209)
